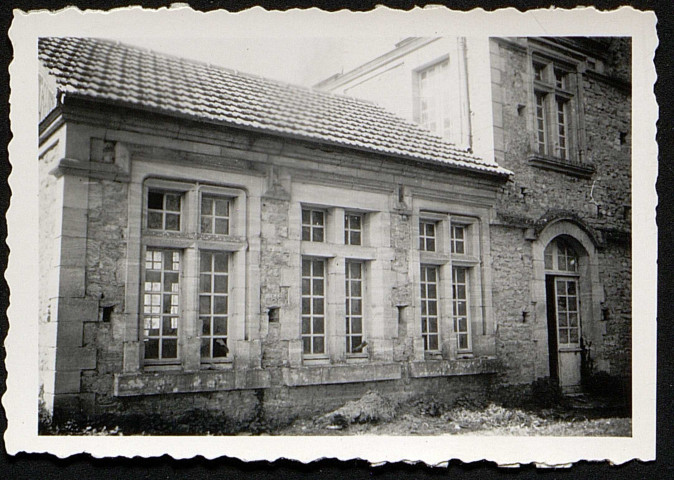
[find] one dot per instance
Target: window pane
(206, 347)
(154, 220)
(151, 348)
(221, 226)
(172, 202)
(205, 325)
(306, 344)
(221, 284)
(318, 306)
(220, 305)
(306, 325)
(318, 234)
(563, 336)
(355, 238)
(220, 325)
(573, 335)
(318, 325)
(155, 200)
(306, 234)
(204, 304)
(206, 205)
(317, 218)
(220, 348)
(170, 326)
(318, 345)
(432, 342)
(220, 262)
(222, 207)
(306, 217)
(206, 224)
(169, 348)
(172, 222)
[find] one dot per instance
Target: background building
(556, 112)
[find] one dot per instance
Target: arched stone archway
(579, 292)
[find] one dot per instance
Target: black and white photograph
(413, 234)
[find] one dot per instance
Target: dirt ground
(428, 417)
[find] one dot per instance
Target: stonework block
(75, 358)
(453, 367)
(67, 382)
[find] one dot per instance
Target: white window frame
(548, 93)
(311, 227)
(426, 317)
(212, 317)
(310, 315)
(175, 309)
(348, 228)
(349, 297)
(189, 242)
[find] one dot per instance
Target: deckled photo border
(20, 400)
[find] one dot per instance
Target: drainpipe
(463, 58)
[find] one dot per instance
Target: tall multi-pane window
(460, 308)
(427, 235)
(541, 125)
(458, 239)
(215, 214)
(313, 306)
(552, 113)
(161, 304)
(354, 306)
(313, 225)
(163, 210)
(434, 98)
(429, 307)
(566, 294)
(213, 304)
(353, 228)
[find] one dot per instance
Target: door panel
(568, 331)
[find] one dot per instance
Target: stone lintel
(448, 368)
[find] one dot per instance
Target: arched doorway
(568, 297)
(562, 260)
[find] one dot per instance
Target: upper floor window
(313, 225)
(215, 214)
(553, 95)
(353, 228)
(163, 210)
(427, 235)
(458, 238)
(434, 98)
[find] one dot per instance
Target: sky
(300, 61)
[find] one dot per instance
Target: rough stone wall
(617, 348)
(274, 259)
(602, 202)
(105, 282)
(511, 269)
(402, 291)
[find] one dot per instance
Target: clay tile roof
(109, 71)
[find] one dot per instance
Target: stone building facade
(219, 242)
(556, 112)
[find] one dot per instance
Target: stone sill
(331, 374)
(577, 169)
(156, 383)
(450, 368)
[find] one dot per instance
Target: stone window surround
(574, 163)
(590, 286)
(189, 241)
(474, 236)
(336, 252)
